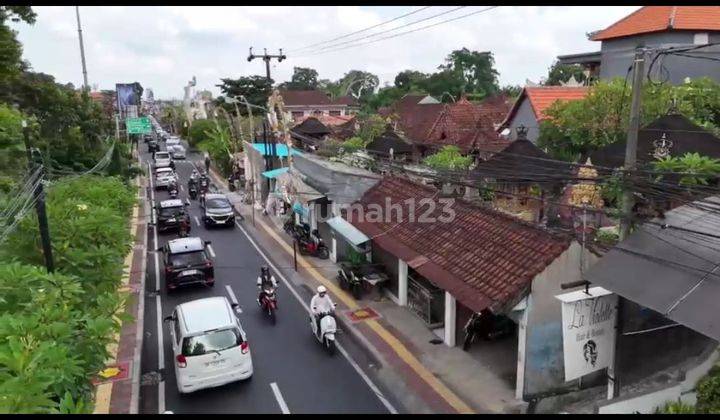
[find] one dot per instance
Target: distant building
(656, 27)
(529, 108)
(305, 103)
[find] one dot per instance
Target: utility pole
(82, 49)
(39, 197)
(266, 58)
(627, 203)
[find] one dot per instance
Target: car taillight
(244, 347)
(181, 361)
(208, 263)
(168, 269)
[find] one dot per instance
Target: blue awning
(347, 230)
(281, 149)
(299, 209)
(275, 172)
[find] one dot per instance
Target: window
(701, 38)
(176, 325)
(211, 342)
(335, 113)
(187, 259)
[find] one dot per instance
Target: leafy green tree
(575, 128)
(561, 73)
(216, 143)
(12, 147)
(386, 96)
(512, 91)
(476, 69)
(449, 158)
(11, 63)
(409, 79)
(371, 126)
(199, 130)
(303, 78)
(696, 169)
(256, 89)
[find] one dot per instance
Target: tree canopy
(561, 73)
(575, 128)
(303, 78)
(256, 89)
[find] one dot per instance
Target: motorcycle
(314, 246)
(173, 190)
(183, 229)
(328, 329)
(193, 191)
(268, 303)
(297, 232)
(349, 281)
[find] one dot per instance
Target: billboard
(128, 95)
(588, 321)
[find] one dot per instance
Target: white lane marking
(279, 398)
(158, 307)
(197, 221)
(347, 356)
(233, 298)
(211, 251)
(182, 188)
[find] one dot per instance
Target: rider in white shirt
(321, 303)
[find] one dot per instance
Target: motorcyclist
(194, 175)
(321, 304)
(266, 280)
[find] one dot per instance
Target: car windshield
(211, 342)
(161, 155)
(171, 211)
(188, 258)
(218, 203)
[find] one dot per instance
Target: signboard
(139, 125)
(588, 321)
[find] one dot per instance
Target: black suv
(169, 215)
(217, 210)
(187, 263)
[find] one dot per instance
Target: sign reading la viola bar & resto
(588, 321)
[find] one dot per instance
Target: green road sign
(139, 125)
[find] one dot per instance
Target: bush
(676, 407)
(55, 328)
(708, 393)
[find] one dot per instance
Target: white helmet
(321, 289)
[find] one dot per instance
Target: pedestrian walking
(207, 163)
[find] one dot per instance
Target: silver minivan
(209, 345)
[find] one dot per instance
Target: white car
(162, 159)
(177, 151)
(209, 345)
(173, 141)
(163, 177)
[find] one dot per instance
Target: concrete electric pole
(82, 49)
(613, 390)
(266, 58)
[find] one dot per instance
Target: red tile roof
(662, 18)
(482, 257)
(542, 97)
(305, 97)
(467, 126)
(345, 100)
(328, 120)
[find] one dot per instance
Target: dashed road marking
(279, 398)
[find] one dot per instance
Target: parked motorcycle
(268, 303)
(349, 281)
(328, 329)
(316, 248)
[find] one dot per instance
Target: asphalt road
(292, 372)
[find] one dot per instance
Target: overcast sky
(163, 47)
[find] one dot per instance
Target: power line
(362, 30)
(382, 32)
(405, 33)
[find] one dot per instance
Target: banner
(588, 321)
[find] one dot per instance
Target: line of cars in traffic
(209, 344)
